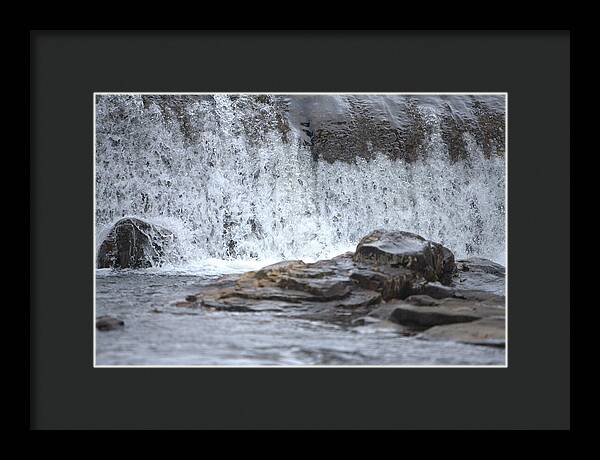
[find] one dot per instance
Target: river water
(158, 333)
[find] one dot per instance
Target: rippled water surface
(158, 333)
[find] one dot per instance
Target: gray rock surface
(134, 243)
(431, 260)
(448, 311)
(486, 331)
(385, 281)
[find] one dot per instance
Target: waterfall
(234, 177)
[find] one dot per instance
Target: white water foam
(232, 189)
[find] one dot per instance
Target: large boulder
(386, 265)
(134, 243)
(403, 249)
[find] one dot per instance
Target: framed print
(371, 236)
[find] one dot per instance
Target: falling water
(222, 174)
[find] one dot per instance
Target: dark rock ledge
(393, 276)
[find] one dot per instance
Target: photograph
(300, 229)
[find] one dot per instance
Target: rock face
(394, 277)
(133, 243)
(345, 127)
(108, 323)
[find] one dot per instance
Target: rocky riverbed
(394, 279)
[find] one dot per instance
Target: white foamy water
(231, 188)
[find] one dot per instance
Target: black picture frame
(66, 68)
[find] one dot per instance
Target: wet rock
(323, 290)
(240, 304)
(357, 299)
(382, 312)
(435, 290)
(392, 282)
(273, 271)
(484, 297)
(276, 293)
(108, 323)
(480, 265)
(133, 243)
(422, 300)
(393, 277)
(403, 249)
(446, 311)
(332, 288)
(486, 331)
(380, 318)
(185, 303)
(234, 306)
(480, 274)
(410, 315)
(343, 312)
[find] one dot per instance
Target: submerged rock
(393, 277)
(108, 323)
(133, 243)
